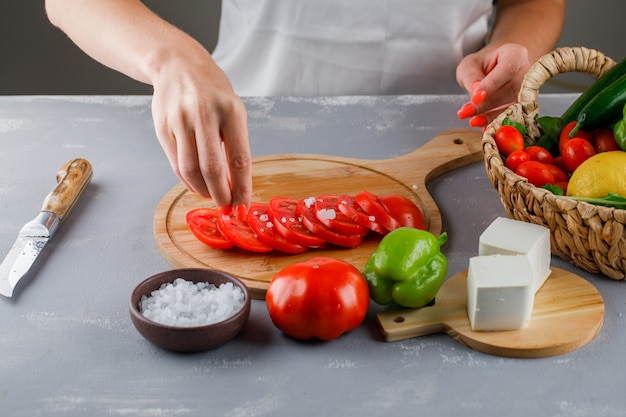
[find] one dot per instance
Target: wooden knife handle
(72, 180)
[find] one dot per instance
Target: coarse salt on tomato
(329, 214)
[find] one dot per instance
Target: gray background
(36, 58)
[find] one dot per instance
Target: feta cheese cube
(506, 236)
(500, 292)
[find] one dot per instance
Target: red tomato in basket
(320, 298)
(564, 137)
(537, 173)
(575, 152)
(263, 226)
(604, 140)
(508, 139)
(515, 159)
(537, 153)
(202, 223)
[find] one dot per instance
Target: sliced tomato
(372, 205)
(261, 223)
(288, 223)
(349, 207)
(327, 211)
(241, 234)
(202, 223)
(310, 220)
(404, 210)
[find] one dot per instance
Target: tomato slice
(349, 207)
(202, 223)
(288, 223)
(261, 223)
(404, 210)
(240, 233)
(327, 212)
(372, 205)
(310, 220)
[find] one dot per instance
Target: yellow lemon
(599, 175)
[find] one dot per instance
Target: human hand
(492, 77)
(201, 125)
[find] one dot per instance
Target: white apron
(342, 47)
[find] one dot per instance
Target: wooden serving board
(568, 313)
(305, 175)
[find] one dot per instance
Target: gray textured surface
(68, 347)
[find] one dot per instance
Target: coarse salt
(183, 303)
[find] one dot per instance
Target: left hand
(492, 77)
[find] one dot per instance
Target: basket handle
(561, 60)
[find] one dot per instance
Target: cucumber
(594, 89)
(604, 109)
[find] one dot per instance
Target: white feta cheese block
(506, 236)
(500, 292)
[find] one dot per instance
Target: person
(303, 47)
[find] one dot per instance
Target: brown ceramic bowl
(188, 339)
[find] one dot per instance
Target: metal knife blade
(72, 180)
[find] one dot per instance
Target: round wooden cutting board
(568, 312)
(301, 176)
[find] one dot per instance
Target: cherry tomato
(509, 139)
(260, 222)
(558, 161)
(604, 140)
(558, 173)
(288, 223)
(373, 207)
(240, 233)
(515, 159)
(310, 220)
(320, 298)
(537, 173)
(537, 153)
(327, 211)
(403, 210)
(564, 137)
(575, 152)
(351, 208)
(203, 225)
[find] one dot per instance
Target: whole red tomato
(509, 139)
(537, 173)
(320, 298)
(564, 137)
(604, 140)
(575, 152)
(515, 159)
(537, 153)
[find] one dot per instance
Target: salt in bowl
(188, 338)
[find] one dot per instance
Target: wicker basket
(589, 236)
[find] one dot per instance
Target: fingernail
(475, 85)
(478, 121)
(466, 111)
(241, 213)
(226, 210)
(479, 96)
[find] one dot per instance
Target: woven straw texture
(589, 236)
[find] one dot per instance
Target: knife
(72, 180)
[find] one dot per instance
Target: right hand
(201, 125)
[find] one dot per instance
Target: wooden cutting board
(305, 175)
(568, 313)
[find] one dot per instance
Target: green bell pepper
(407, 268)
(619, 130)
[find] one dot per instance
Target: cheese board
(306, 175)
(568, 313)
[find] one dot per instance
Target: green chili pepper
(619, 130)
(407, 268)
